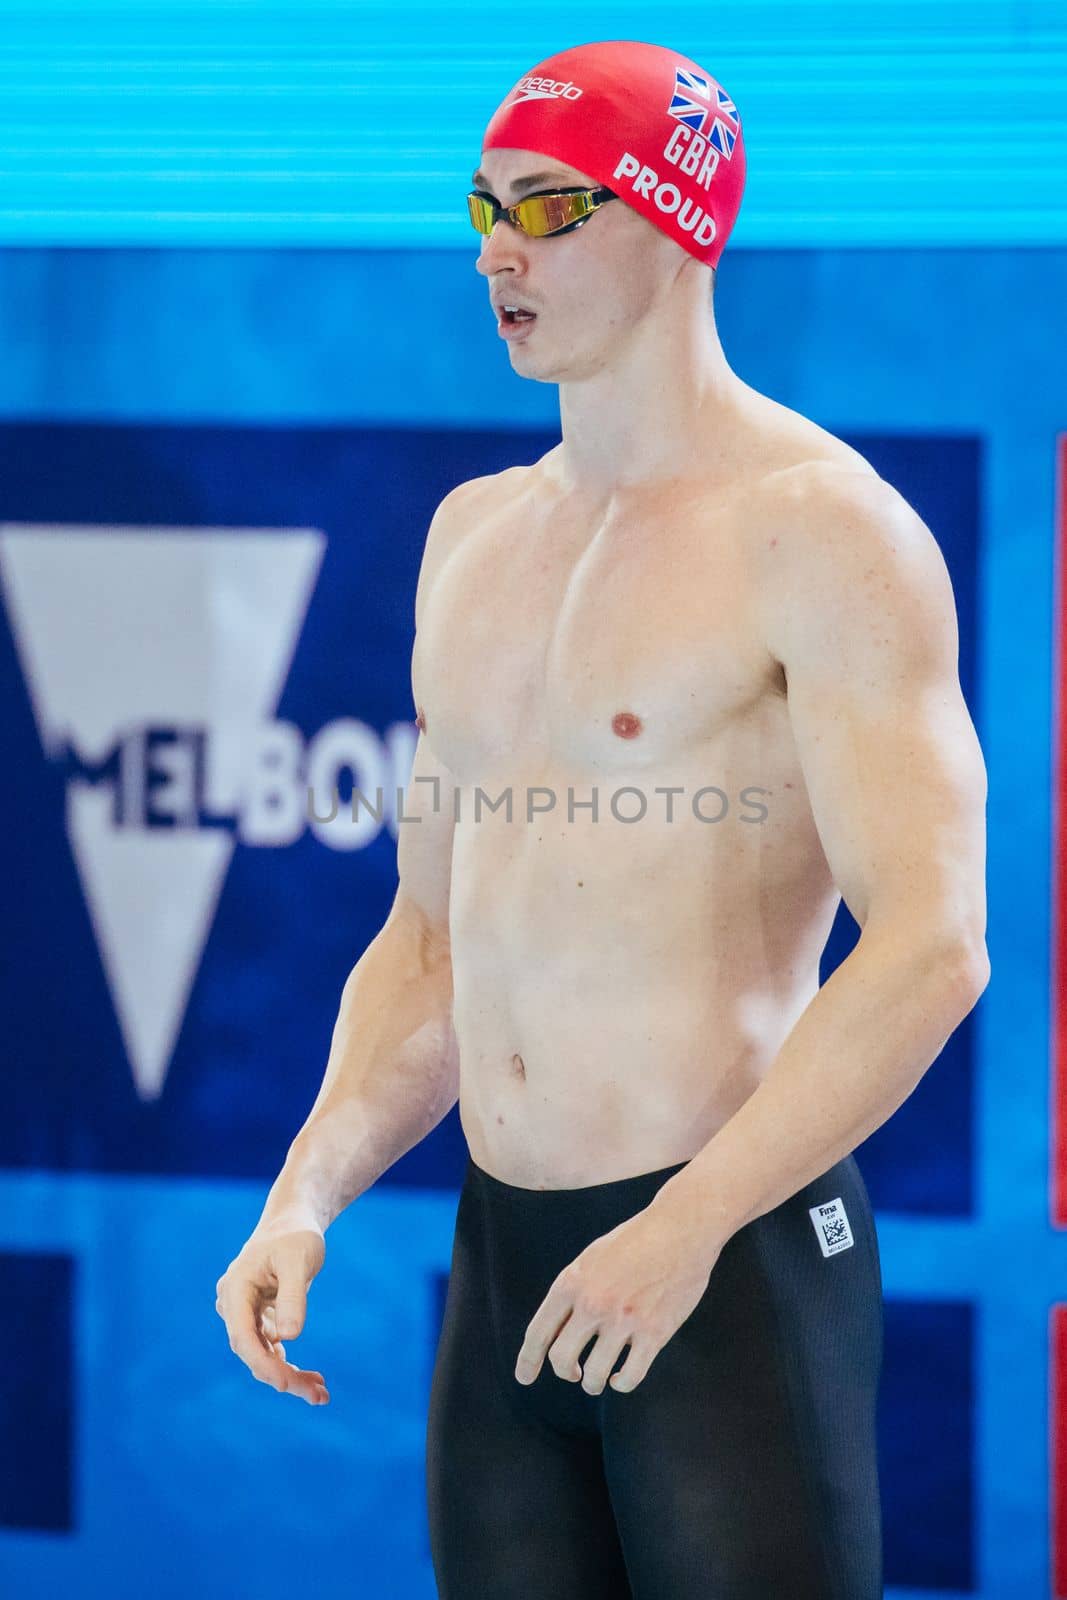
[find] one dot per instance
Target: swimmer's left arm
(858, 608)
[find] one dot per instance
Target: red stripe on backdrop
(1058, 1176)
(1058, 1447)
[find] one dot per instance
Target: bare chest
(598, 643)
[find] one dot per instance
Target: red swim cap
(643, 121)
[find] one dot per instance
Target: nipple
(626, 725)
(420, 721)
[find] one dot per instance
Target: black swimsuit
(742, 1466)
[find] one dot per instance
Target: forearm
(851, 1060)
(390, 1078)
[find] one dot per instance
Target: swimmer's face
(590, 288)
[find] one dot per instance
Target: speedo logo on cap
(667, 197)
(544, 89)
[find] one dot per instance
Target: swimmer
(700, 663)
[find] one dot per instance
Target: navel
(626, 725)
(519, 1066)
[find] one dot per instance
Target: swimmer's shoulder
(825, 528)
(458, 514)
(805, 477)
(819, 496)
(461, 504)
(789, 451)
(817, 513)
(462, 507)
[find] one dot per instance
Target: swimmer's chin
(522, 371)
(556, 375)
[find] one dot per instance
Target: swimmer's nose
(503, 248)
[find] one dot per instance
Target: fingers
(267, 1362)
(601, 1360)
(247, 1339)
(252, 1326)
(271, 1332)
(310, 1386)
(543, 1329)
(295, 1260)
(290, 1306)
(604, 1347)
(565, 1356)
(642, 1354)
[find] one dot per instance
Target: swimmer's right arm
(392, 1073)
(391, 1076)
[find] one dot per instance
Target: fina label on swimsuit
(832, 1227)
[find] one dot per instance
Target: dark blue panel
(36, 1387)
(922, 1159)
(291, 921)
(926, 1444)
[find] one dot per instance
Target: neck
(661, 409)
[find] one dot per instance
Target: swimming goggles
(554, 211)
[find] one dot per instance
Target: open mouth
(515, 325)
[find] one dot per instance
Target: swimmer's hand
(262, 1299)
(633, 1286)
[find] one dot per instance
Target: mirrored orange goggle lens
(540, 214)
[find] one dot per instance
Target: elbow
(982, 969)
(962, 959)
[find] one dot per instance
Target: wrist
(298, 1197)
(694, 1210)
(293, 1216)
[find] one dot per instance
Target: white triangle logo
(122, 630)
